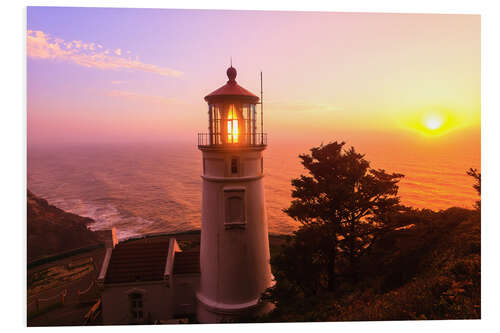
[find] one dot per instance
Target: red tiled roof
(187, 262)
(137, 261)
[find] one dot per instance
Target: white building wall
(234, 262)
(185, 287)
(157, 302)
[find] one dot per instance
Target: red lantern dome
(232, 118)
(231, 91)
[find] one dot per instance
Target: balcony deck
(214, 140)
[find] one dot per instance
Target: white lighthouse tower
(234, 255)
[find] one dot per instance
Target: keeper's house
(148, 280)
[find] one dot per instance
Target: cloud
(141, 97)
(118, 82)
(43, 46)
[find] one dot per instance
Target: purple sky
(98, 75)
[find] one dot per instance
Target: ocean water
(149, 188)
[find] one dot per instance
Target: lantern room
(232, 116)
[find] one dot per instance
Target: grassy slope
(429, 271)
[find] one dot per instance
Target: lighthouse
(234, 250)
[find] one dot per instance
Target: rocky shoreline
(51, 230)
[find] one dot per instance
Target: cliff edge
(51, 230)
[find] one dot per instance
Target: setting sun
(433, 122)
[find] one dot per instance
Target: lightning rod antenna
(261, 111)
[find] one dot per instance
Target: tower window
(235, 208)
(235, 211)
(234, 165)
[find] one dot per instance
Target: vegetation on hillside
(409, 263)
(56, 275)
(343, 205)
(477, 184)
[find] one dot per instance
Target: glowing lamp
(232, 116)
(232, 126)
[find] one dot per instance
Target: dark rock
(51, 230)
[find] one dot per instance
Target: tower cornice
(231, 179)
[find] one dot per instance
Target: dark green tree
(477, 185)
(345, 203)
(300, 274)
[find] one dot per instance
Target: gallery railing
(219, 139)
